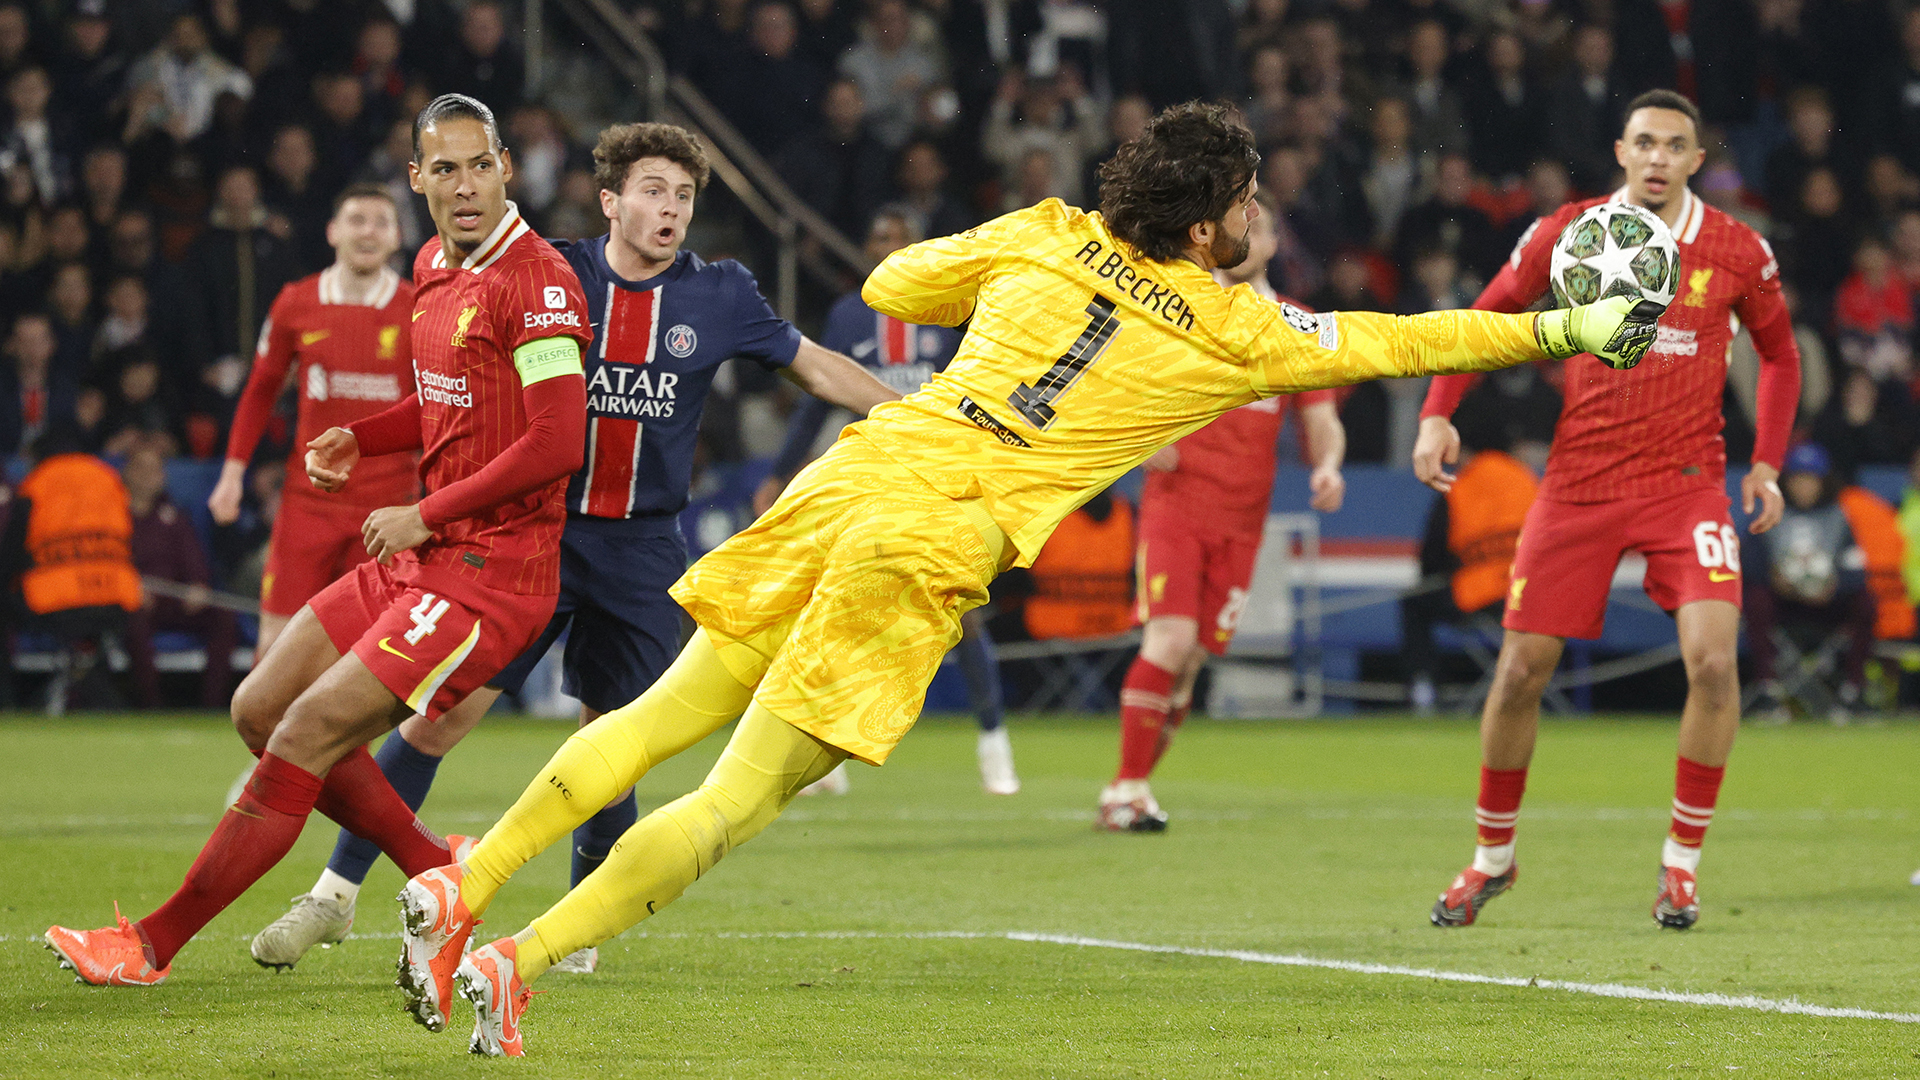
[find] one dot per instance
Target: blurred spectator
(775, 91)
(1333, 166)
(1172, 53)
(539, 141)
(1439, 123)
(1867, 423)
(37, 140)
(1264, 22)
(1897, 120)
(837, 166)
(1126, 118)
(1889, 188)
(293, 193)
(280, 85)
(1873, 315)
(576, 213)
(387, 166)
(1809, 146)
(91, 71)
(1548, 189)
(1302, 242)
(125, 321)
(173, 88)
(103, 192)
(827, 29)
(1905, 236)
(922, 181)
(1056, 118)
(139, 406)
(70, 304)
(1446, 220)
(1807, 571)
(1504, 110)
(1814, 239)
(236, 269)
(482, 63)
(1269, 100)
(1584, 111)
(342, 134)
(1037, 178)
(1393, 173)
(166, 546)
(376, 63)
(16, 39)
(32, 394)
(890, 69)
(1434, 284)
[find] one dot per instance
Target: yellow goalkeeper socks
(767, 762)
(692, 700)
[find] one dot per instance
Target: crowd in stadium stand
(166, 166)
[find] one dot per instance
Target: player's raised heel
(313, 921)
(1678, 905)
(435, 929)
(1460, 905)
(489, 979)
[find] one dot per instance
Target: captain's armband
(547, 358)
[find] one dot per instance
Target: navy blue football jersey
(904, 356)
(657, 345)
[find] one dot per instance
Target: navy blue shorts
(613, 593)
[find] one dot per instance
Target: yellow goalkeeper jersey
(1082, 359)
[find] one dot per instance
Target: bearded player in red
(344, 334)
(462, 581)
(1638, 464)
(1201, 515)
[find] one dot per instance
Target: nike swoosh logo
(312, 336)
(384, 647)
(1717, 576)
(417, 314)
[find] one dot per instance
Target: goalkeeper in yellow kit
(1095, 340)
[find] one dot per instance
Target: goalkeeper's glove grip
(1620, 338)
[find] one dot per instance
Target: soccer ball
(1615, 249)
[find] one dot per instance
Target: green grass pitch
(830, 947)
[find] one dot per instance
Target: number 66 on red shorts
(431, 648)
(1563, 568)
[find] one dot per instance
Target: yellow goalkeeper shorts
(840, 601)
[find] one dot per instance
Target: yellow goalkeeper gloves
(1618, 330)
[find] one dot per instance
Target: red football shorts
(430, 649)
(1201, 574)
(1564, 567)
(312, 547)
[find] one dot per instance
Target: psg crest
(681, 340)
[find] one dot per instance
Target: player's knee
(254, 715)
(1712, 669)
(1523, 672)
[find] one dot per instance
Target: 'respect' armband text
(548, 358)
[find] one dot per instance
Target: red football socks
(360, 799)
(1144, 705)
(256, 832)
(1696, 788)
(1499, 807)
(1175, 717)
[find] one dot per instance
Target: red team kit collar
(511, 228)
(1692, 213)
(332, 293)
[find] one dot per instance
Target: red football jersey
(1655, 429)
(467, 320)
(349, 361)
(1225, 475)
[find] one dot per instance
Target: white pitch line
(1790, 1006)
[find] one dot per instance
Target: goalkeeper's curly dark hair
(1190, 165)
(623, 144)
